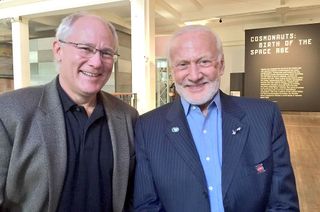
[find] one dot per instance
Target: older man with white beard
(207, 151)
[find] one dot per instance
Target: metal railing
(129, 98)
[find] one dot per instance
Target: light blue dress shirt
(207, 135)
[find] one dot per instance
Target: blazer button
(205, 194)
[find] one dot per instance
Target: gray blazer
(33, 149)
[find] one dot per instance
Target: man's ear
(221, 65)
(56, 50)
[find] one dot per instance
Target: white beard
(213, 89)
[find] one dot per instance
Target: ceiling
(170, 14)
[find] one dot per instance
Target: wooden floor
(303, 132)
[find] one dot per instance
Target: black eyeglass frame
(93, 50)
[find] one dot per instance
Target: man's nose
(96, 59)
(194, 72)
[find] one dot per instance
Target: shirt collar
(186, 105)
(67, 102)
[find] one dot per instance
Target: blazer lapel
(180, 136)
(234, 136)
(51, 121)
(119, 139)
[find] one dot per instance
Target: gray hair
(195, 28)
(65, 27)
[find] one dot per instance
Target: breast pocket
(256, 177)
(258, 167)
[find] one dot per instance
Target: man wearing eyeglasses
(67, 145)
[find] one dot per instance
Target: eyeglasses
(201, 63)
(89, 51)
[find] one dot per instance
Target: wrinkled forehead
(90, 24)
(194, 43)
(92, 30)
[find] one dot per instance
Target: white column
(20, 52)
(143, 53)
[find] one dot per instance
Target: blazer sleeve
(145, 194)
(283, 196)
(5, 152)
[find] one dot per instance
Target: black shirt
(88, 180)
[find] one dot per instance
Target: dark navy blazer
(256, 170)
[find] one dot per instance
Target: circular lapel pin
(175, 129)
